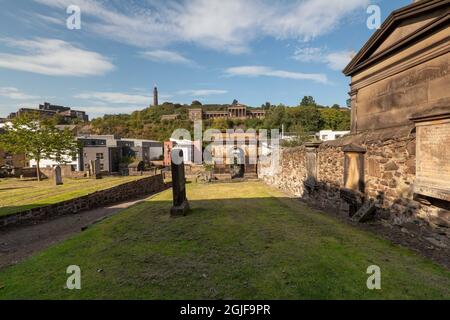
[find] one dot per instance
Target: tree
(235, 102)
(335, 106)
(38, 139)
(196, 103)
(335, 119)
(308, 101)
(308, 118)
(267, 106)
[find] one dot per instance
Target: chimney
(155, 96)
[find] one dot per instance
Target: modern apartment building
(49, 110)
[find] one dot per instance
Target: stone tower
(155, 96)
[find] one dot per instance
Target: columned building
(235, 111)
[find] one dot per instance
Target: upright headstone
(57, 177)
(433, 154)
(354, 184)
(95, 169)
(180, 202)
(311, 182)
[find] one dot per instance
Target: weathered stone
(57, 178)
(180, 202)
(94, 168)
(436, 242)
(390, 166)
(411, 148)
(433, 158)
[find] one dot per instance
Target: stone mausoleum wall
(389, 176)
(123, 192)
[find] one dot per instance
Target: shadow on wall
(342, 175)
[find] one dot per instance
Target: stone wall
(66, 172)
(389, 175)
(126, 191)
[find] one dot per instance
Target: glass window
(99, 156)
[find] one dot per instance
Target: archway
(237, 167)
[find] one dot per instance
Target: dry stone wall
(389, 175)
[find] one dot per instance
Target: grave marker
(180, 202)
(57, 177)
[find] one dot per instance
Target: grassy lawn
(18, 195)
(241, 241)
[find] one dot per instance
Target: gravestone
(311, 182)
(433, 154)
(180, 202)
(365, 213)
(57, 177)
(354, 184)
(95, 169)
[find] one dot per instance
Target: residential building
(329, 135)
(8, 159)
(49, 110)
(143, 150)
(110, 150)
(186, 145)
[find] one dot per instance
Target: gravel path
(20, 243)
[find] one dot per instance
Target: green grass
(241, 241)
(20, 195)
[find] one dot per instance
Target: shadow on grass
(268, 247)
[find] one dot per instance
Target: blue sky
(214, 51)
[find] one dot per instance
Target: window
(102, 166)
(324, 137)
(99, 156)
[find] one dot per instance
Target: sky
(214, 51)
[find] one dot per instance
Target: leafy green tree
(38, 139)
(308, 101)
(335, 119)
(308, 117)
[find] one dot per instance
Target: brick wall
(126, 191)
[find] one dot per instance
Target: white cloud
(166, 56)
(116, 97)
(201, 92)
(50, 19)
(335, 60)
(257, 71)
(15, 94)
(53, 57)
(339, 60)
(221, 25)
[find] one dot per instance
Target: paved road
(18, 244)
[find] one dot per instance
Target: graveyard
(238, 241)
(20, 195)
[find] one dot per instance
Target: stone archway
(237, 166)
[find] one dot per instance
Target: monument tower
(155, 96)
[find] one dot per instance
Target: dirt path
(20, 243)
